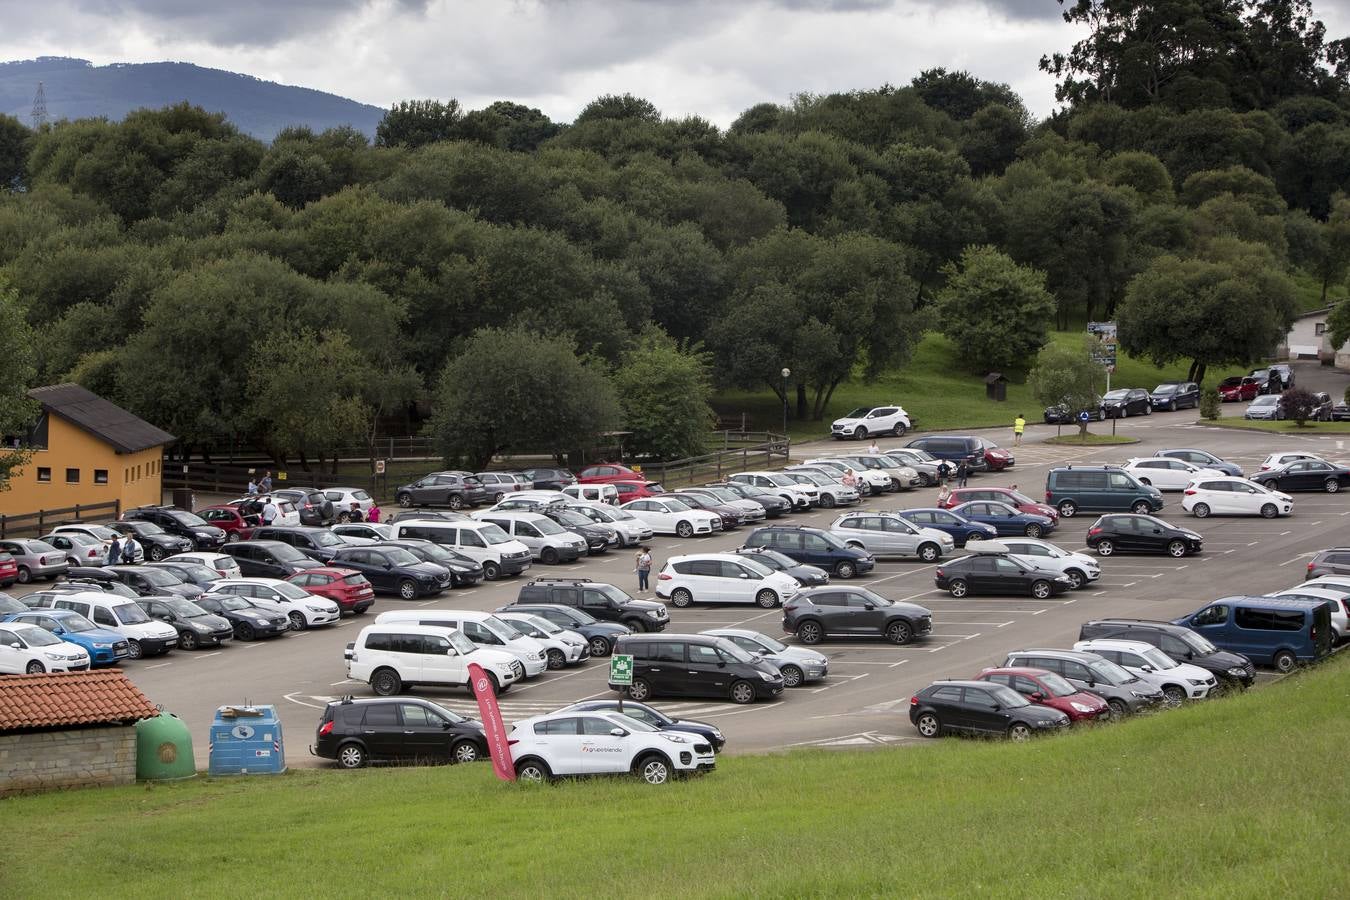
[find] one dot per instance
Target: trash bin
(183, 499)
(164, 749)
(246, 740)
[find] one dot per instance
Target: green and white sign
(621, 669)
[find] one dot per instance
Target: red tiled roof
(71, 698)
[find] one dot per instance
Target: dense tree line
(292, 294)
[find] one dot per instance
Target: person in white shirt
(874, 449)
(269, 511)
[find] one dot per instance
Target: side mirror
(869, 606)
(618, 732)
(388, 565)
(445, 726)
(743, 575)
(452, 652)
(995, 707)
(1146, 668)
(1036, 695)
(58, 630)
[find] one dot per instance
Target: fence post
(3, 519)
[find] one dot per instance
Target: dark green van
(1072, 489)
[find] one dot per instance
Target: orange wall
(133, 478)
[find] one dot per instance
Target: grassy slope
(1243, 797)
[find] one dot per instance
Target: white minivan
(723, 578)
(145, 636)
(393, 656)
(483, 542)
(484, 629)
(596, 493)
(548, 541)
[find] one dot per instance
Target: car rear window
(355, 578)
(1268, 619)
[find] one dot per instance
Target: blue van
(1272, 631)
(1074, 489)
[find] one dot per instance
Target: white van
(484, 629)
(598, 493)
(548, 541)
(223, 563)
(394, 656)
(482, 542)
(145, 636)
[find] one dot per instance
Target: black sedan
(1125, 402)
(1305, 475)
(248, 621)
(406, 729)
(807, 576)
(394, 570)
(979, 707)
(774, 505)
(992, 570)
(655, 718)
(1059, 414)
(149, 581)
(1125, 533)
(464, 571)
(156, 542)
(596, 536)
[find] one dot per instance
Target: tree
(515, 390)
(1298, 405)
(1067, 375)
(996, 312)
(663, 390)
(619, 106)
(1338, 324)
(17, 372)
(413, 123)
(962, 95)
(14, 139)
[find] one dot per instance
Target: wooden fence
(37, 523)
(769, 453)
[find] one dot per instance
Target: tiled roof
(70, 698)
(101, 418)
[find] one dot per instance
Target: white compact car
(483, 628)
(831, 492)
(870, 480)
(723, 578)
(1275, 460)
(886, 534)
(564, 647)
(903, 477)
(1177, 681)
(667, 515)
(374, 532)
(1229, 496)
(1167, 474)
(801, 496)
(604, 743)
(223, 563)
(632, 530)
(394, 656)
(29, 650)
(300, 606)
(342, 499)
(867, 421)
(1081, 568)
(1309, 590)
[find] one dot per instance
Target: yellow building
(86, 450)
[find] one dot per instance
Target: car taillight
(938, 573)
(1190, 492)
(914, 701)
(1047, 496)
(1310, 568)
(93, 553)
(663, 577)
(326, 728)
(1094, 530)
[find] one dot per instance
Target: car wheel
(532, 770)
(1148, 410)
(1172, 407)
(407, 589)
(600, 647)
(637, 626)
(899, 633)
(352, 756)
(1285, 661)
(653, 768)
(958, 587)
(929, 552)
(899, 429)
(134, 650)
(639, 690)
(231, 537)
(491, 571)
(455, 501)
(35, 668)
(405, 501)
(25, 575)
(810, 633)
(1034, 530)
(1141, 508)
(187, 640)
(684, 529)
(1019, 732)
(1175, 694)
(1068, 509)
(556, 659)
(974, 536)
(297, 621)
(680, 597)
(827, 501)
(244, 631)
(792, 676)
(1201, 510)
(386, 683)
(1269, 511)
(1332, 485)
(861, 433)
(497, 498)
(1119, 709)
(928, 726)
(1176, 549)
(1077, 577)
(845, 570)
(1040, 589)
(766, 599)
(464, 752)
(549, 556)
(742, 692)
(1124, 412)
(1105, 548)
(155, 553)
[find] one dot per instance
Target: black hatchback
(409, 730)
(979, 707)
(1175, 395)
(1130, 533)
(392, 569)
(999, 573)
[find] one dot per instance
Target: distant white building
(1308, 339)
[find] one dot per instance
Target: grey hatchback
(36, 559)
(1123, 692)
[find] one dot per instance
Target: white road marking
(205, 655)
(159, 665)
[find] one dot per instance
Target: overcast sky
(702, 57)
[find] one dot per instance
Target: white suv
(304, 609)
(482, 628)
(723, 578)
(1177, 681)
(801, 496)
(394, 656)
(604, 743)
(667, 515)
(866, 421)
(831, 491)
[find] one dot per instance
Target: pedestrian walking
(1019, 425)
(252, 487)
(269, 511)
(265, 484)
(131, 551)
(643, 567)
(115, 551)
(944, 472)
(355, 514)
(873, 448)
(850, 480)
(962, 471)
(373, 514)
(944, 494)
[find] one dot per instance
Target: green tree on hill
(1067, 375)
(996, 312)
(17, 373)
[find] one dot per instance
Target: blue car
(1006, 520)
(959, 527)
(106, 647)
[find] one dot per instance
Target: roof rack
(565, 581)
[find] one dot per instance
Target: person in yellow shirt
(1019, 425)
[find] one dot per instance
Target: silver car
(887, 534)
(797, 664)
(36, 559)
(903, 476)
(80, 549)
(1081, 568)
(829, 492)
(921, 461)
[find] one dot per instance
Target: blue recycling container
(246, 740)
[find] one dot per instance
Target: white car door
(14, 655)
(439, 662)
(737, 584)
(601, 751)
(704, 579)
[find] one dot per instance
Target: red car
(606, 473)
(9, 570)
(348, 589)
(1052, 690)
(1016, 499)
(1239, 387)
(636, 489)
(228, 519)
(995, 457)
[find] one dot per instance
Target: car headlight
(1238, 672)
(765, 676)
(315, 609)
(654, 613)
(1196, 681)
(57, 656)
(1138, 694)
(102, 646)
(677, 738)
(202, 629)
(1081, 707)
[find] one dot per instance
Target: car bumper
(533, 667)
(515, 566)
(107, 657)
(459, 580)
(326, 618)
(1200, 691)
(50, 570)
(863, 566)
(814, 673)
(156, 646)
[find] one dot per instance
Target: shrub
(1298, 405)
(1210, 404)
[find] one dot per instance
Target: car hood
(934, 534)
(211, 620)
(645, 605)
(798, 654)
(189, 591)
(1040, 713)
(94, 634)
(689, 723)
(809, 573)
(847, 421)
(424, 569)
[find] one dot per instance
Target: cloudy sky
(710, 57)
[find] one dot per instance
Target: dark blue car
(1005, 519)
(959, 527)
(106, 648)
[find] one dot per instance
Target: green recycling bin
(164, 749)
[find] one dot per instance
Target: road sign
(1084, 416)
(621, 669)
(379, 467)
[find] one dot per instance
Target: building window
(1319, 328)
(138, 473)
(126, 476)
(100, 476)
(72, 476)
(44, 473)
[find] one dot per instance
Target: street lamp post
(786, 373)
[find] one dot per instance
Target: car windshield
(817, 479)
(463, 645)
(39, 547)
(1115, 395)
(1110, 673)
(1019, 497)
(185, 608)
(522, 629)
(494, 535)
(774, 559)
(130, 614)
(1200, 644)
(921, 455)
(231, 602)
(722, 494)
(400, 557)
(751, 490)
(195, 572)
(859, 413)
(76, 623)
(290, 591)
(499, 628)
(775, 646)
(1057, 686)
(188, 520)
(158, 577)
(728, 648)
(568, 517)
(1165, 389)
(287, 553)
(101, 532)
(617, 515)
(436, 553)
(781, 480)
(36, 637)
(582, 617)
(875, 599)
(144, 528)
(1006, 697)
(449, 714)
(542, 624)
(1232, 381)
(327, 539)
(631, 724)
(1156, 658)
(548, 526)
(674, 505)
(80, 538)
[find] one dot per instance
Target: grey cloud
(1024, 10)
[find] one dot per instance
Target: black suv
(1175, 395)
(453, 489)
(547, 478)
(603, 601)
(269, 559)
(813, 547)
(980, 707)
(464, 571)
(696, 665)
(600, 636)
(953, 448)
(319, 543)
(357, 732)
(157, 542)
(1180, 643)
(999, 573)
(1141, 534)
(204, 536)
(817, 613)
(314, 507)
(391, 570)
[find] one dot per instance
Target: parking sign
(621, 669)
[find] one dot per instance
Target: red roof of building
(70, 699)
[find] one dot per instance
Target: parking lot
(865, 698)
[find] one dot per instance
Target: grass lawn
(936, 388)
(1241, 797)
(1282, 427)
(1090, 439)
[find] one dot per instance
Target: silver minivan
(482, 542)
(548, 541)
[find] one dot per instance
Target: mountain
(77, 89)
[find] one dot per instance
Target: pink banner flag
(493, 726)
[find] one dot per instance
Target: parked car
(29, 650)
(104, 646)
(394, 656)
(251, 509)
(9, 569)
(1012, 497)
(232, 520)
(1340, 411)
(1081, 568)
(1267, 406)
(497, 552)
(549, 478)
(1178, 682)
(600, 636)
(1125, 692)
(79, 549)
(1071, 489)
(35, 559)
(953, 448)
(1166, 474)
(393, 570)
(1048, 689)
(204, 536)
(548, 541)
(302, 608)
(93, 530)
(730, 516)
(1266, 382)
(1005, 519)
(903, 476)
(608, 472)
(196, 627)
(872, 421)
(695, 665)
(801, 496)
(1305, 475)
(222, 563)
(654, 717)
(797, 665)
(563, 646)
(980, 707)
(665, 515)
(269, 559)
(632, 530)
(887, 534)
(1182, 644)
(1060, 414)
(1273, 631)
(464, 570)
(1234, 497)
(156, 543)
(347, 588)
(1202, 459)
(600, 492)
(1276, 460)
(1333, 561)
(1174, 395)
(959, 527)
(145, 636)
(750, 511)
(1321, 592)
(829, 493)
(148, 581)
(598, 535)
(342, 499)
(838, 611)
(314, 507)
(249, 620)
(500, 485)
(722, 578)
(1238, 388)
(1125, 402)
(635, 490)
(600, 743)
(814, 547)
(991, 569)
(188, 572)
(924, 464)
(774, 504)
(1142, 534)
(1285, 373)
(996, 458)
(453, 489)
(482, 628)
(806, 576)
(358, 732)
(1322, 407)
(318, 543)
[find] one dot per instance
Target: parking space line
(205, 655)
(159, 665)
(848, 680)
(900, 663)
